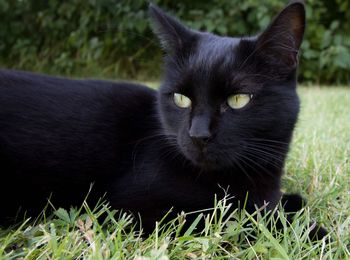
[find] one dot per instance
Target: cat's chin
(204, 161)
(207, 165)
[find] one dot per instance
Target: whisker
(236, 162)
(266, 159)
(266, 140)
(257, 164)
(267, 150)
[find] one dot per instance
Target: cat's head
(230, 101)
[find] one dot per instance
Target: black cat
(222, 120)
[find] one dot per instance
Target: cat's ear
(173, 35)
(282, 39)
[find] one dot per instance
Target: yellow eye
(181, 100)
(239, 100)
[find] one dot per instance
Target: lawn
(318, 166)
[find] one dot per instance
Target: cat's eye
(181, 100)
(238, 101)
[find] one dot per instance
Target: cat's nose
(201, 141)
(199, 130)
(200, 136)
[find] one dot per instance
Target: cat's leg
(293, 203)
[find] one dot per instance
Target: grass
(318, 166)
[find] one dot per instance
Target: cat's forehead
(219, 59)
(212, 50)
(213, 64)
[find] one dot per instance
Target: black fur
(59, 135)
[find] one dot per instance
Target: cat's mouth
(201, 157)
(208, 164)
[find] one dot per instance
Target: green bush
(113, 37)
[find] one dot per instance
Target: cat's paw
(292, 203)
(317, 232)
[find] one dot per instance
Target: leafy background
(112, 38)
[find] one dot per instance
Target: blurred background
(113, 38)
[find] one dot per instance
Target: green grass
(318, 166)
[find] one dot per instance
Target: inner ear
(173, 35)
(282, 39)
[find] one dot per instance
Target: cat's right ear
(282, 39)
(173, 35)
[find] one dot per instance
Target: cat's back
(60, 119)
(38, 90)
(57, 136)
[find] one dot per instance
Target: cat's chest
(157, 178)
(163, 184)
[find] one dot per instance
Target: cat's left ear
(173, 35)
(282, 39)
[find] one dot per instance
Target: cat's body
(72, 133)
(60, 135)
(221, 122)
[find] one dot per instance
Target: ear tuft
(283, 37)
(172, 34)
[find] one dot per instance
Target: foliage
(109, 37)
(318, 166)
